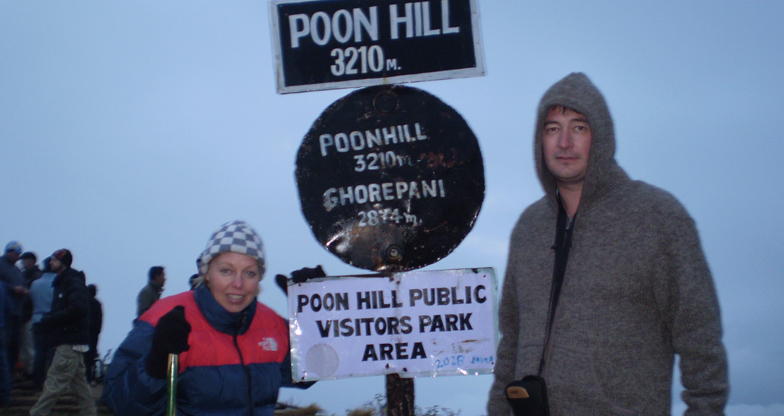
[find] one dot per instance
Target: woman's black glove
(170, 337)
(299, 276)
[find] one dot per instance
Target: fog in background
(129, 131)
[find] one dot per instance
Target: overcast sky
(129, 131)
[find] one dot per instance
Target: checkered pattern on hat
(236, 237)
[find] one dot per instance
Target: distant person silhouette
(5, 374)
(69, 326)
(12, 279)
(30, 273)
(152, 291)
(193, 281)
(96, 321)
(41, 293)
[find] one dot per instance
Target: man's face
(566, 143)
(161, 278)
(28, 264)
(56, 265)
(12, 255)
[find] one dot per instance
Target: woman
(233, 350)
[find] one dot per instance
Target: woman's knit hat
(236, 237)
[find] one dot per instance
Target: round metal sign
(390, 178)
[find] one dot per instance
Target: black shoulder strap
(563, 242)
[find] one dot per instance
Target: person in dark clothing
(69, 325)
(96, 321)
(5, 374)
(30, 270)
(193, 281)
(13, 281)
(30, 273)
(152, 292)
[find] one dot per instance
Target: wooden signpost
(390, 179)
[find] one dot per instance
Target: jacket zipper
(242, 362)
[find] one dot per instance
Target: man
(68, 324)
(30, 270)
(152, 292)
(193, 281)
(41, 293)
(30, 273)
(634, 291)
(13, 281)
(96, 322)
(5, 374)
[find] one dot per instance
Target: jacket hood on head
(576, 92)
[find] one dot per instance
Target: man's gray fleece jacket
(637, 291)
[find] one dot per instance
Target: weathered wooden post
(400, 395)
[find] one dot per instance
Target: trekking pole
(172, 368)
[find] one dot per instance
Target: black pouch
(528, 397)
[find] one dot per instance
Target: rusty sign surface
(390, 178)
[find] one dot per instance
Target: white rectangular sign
(419, 323)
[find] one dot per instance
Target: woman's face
(233, 279)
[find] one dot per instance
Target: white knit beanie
(236, 237)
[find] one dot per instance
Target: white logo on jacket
(269, 344)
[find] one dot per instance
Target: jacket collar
(155, 285)
(65, 274)
(221, 319)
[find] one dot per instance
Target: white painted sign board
(419, 323)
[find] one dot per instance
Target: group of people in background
(50, 321)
